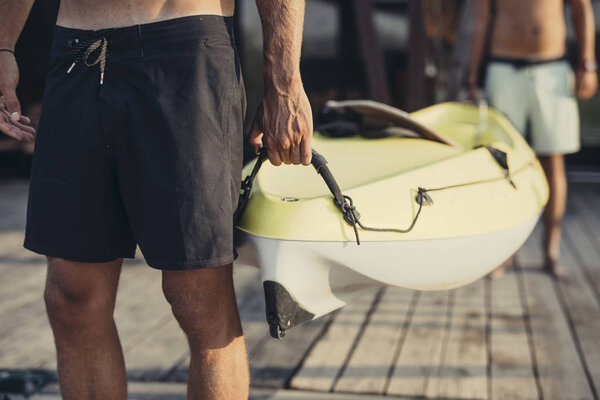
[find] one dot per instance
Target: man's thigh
(554, 111)
(506, 90)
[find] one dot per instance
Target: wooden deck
(524, 336)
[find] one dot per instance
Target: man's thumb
(255, 137)
(12, 104)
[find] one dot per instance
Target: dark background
(408, 53)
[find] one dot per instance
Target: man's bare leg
(80, 299)
(554, 167)
(203, 301)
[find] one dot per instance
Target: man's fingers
(305, 151)
(18, 125)
(14, 132)
(255, 137)
(12, 103)
(295, 154)
(284, 154)
(273, 154)
(25, 128)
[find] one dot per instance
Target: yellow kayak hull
(382, 176)
(475, 219)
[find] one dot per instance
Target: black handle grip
(318, 161)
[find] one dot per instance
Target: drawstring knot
(90, 52)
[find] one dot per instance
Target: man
(140, 141)
(530, 81)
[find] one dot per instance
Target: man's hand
(12, 122)
(586, 84)
(284, 125)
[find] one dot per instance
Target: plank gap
(360, 333)
(571, 324)
(589, 279)
(322, 332)
(405, 326)
(528, 327)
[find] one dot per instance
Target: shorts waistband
(524, 62)
(136, 41)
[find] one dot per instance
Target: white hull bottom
(321, 277)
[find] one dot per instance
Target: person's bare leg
(501, 270)
(80, 299)
(554, 167)
(203, 301)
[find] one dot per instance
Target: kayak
(432, 209)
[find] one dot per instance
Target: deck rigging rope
(345, 203)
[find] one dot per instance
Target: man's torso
(528, 29)
(93, 14)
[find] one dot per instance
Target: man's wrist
(282, 85)
(588, 65)
(7, 43)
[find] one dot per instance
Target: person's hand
(473, 93)
(586, 84)
(12, 122)
(284, 125)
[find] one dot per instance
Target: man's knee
(203, 302)
(73, 305)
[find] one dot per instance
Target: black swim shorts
(140, 142)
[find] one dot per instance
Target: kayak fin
(282, 310)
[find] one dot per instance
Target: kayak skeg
(435, 209)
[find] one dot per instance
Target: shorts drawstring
(84, 48)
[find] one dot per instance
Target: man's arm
(586, 76)
(13, 14)
(284, 120)
(481, 23)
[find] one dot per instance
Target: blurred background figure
(531, 81)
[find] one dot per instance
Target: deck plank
(424, 345)
(581, 302)
(326, 359)
(511, 366)
(559, 366)
(548, 334)
(19, 292)
(580, 228)
(586, 199)
(463, 372)
(369, 365)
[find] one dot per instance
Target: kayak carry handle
(319, 162)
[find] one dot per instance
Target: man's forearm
(583, 20)
(479, 38)
(13, 14)
(282, 23)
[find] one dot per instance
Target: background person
(530, 81)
